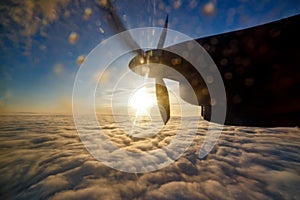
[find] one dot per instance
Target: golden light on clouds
(73, 37)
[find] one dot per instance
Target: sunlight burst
(141, 101)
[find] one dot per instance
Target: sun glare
(141, 101)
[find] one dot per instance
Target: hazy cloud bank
(42, 157)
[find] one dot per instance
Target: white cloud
(42, 157)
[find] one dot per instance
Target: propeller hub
(160, 63)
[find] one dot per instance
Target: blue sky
(39, 64)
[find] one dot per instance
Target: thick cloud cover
(42, 157)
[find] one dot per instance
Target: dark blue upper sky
(39, 63)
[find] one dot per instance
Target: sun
(141, 101)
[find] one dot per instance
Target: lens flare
(141, 101)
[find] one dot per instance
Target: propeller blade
(162, 94)
(162, 97)
(163, 35)
(119, 27)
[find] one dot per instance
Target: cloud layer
(43, 157)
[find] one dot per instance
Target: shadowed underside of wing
(260, 67)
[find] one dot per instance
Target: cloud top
(42, 157)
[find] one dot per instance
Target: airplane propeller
(162, 94)
(258, 80)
